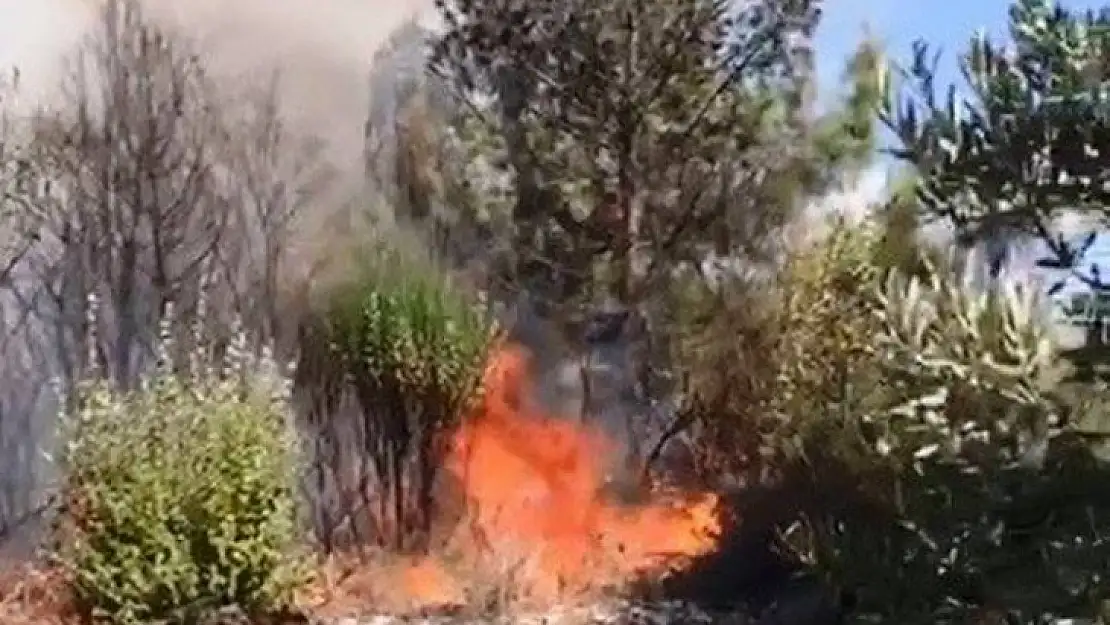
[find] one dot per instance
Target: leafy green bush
(407, 333)
(920, 432)
(182, 500)
(397, 337)
(1000, 493)
(766, 365)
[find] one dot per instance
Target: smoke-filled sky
(324, 46)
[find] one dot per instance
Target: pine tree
(632, 137)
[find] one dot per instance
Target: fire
(533, 486)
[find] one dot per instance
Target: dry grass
(365, 582)
(460, 578)
(359, 583)
(376, 582)
(35, 594)
(353, 584)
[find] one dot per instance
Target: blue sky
(945, 23)
(948, 24)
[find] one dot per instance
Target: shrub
(1000, 500)
(397, 337)
(182, 500)
(920, 428)
(769, 363)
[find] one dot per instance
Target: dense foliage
(944, 427)
(406, 347)
(625, 139)
(183, 498)
(1022, 150)
(922, 437)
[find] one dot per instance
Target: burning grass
(33, 594)
(533, 486)
(537, 529)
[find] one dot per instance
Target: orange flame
(533, 483)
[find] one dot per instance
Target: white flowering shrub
(181, 497)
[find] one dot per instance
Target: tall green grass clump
(397, 336)
(408, 332)
(182, 498)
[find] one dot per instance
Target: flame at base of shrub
(535, 509)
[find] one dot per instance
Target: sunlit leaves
(1018, 145)
(410, 345)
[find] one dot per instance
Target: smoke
(323, 49)
(326, 53)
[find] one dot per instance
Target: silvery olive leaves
(982, 362)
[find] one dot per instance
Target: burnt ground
(748, 575)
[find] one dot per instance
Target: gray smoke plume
(322, 52)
